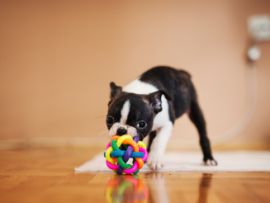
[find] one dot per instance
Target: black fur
(152, 136)
(176, 83)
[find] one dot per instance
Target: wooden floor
(47, 175)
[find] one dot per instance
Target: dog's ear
(155, 100)
(115, 91)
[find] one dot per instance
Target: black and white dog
(150, 105)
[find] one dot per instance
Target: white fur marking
(125, 112)
(113, 129)
(139, 87)
(123, 122)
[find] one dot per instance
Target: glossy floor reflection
(47, 175)
(133, 188)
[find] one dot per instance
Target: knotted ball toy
(120, 149)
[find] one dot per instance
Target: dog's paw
(155, 161)
(209, 162)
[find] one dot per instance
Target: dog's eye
(109, 120)
(141, 124)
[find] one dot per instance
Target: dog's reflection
(126, 188)
(133, 188)
(205, 184)
(156, 186)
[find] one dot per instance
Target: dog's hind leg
(152, 136)
(196, 116)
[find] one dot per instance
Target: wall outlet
(259, 27)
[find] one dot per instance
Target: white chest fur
(139, 87)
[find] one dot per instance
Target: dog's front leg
(158, 147)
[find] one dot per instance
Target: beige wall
(58, 57)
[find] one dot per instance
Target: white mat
(191, 161)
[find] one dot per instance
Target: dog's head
(132, 114)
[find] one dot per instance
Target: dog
(149, 106)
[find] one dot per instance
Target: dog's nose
(121, 131)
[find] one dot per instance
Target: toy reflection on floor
(151, 188)
(122, 148)
(126, 189)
